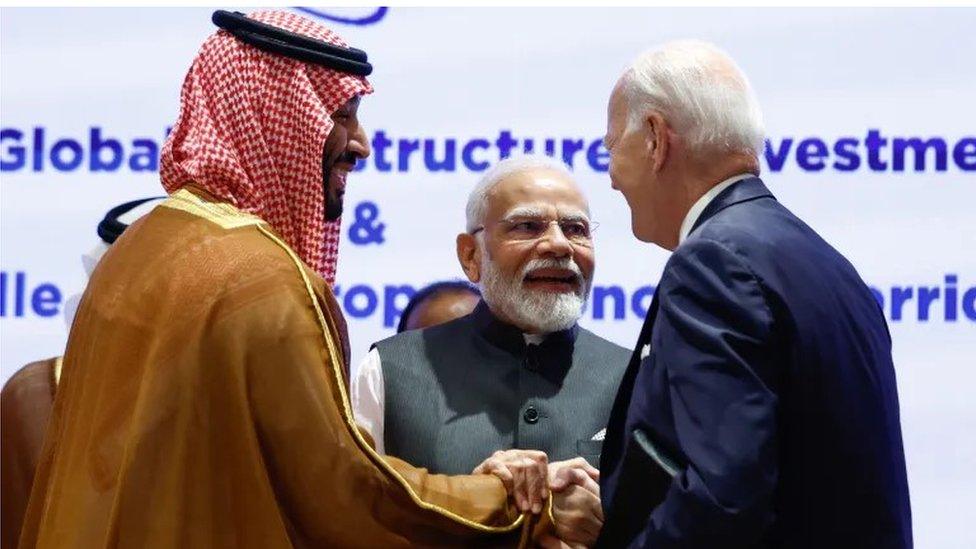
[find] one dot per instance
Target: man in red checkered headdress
(203, 397)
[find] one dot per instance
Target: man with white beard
(518, 372)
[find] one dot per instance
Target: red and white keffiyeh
(251, 131)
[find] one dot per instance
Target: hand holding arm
(524, 474)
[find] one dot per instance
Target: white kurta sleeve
(368, 397)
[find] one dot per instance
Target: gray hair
(477, 207)
(704, 95)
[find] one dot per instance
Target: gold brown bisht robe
(203, 404)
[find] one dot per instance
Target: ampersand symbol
(364, 229)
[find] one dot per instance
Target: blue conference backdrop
(871, 139)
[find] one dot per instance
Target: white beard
(543, 312)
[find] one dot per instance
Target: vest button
(531, 415)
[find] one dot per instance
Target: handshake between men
(204, 397)
(573, 484)
(518, 372)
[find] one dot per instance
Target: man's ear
(658, 140)
(468, 256)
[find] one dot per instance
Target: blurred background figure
(28, 396)
(438, 303)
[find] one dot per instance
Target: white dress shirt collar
(699, 206)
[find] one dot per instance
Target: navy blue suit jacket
(765, 413)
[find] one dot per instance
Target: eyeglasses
(577, 231)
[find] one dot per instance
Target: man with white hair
(759, 408)
(517, 373)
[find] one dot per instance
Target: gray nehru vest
(457, 392)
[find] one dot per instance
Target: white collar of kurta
(533, 339)
(699, 206)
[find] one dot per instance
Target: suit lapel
(613, 445)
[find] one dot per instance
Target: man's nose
(359, 143)
(554, 242)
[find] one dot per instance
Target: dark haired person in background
(438, 303)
